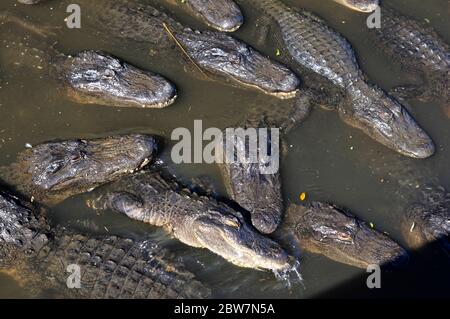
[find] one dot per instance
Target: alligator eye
(235, 58)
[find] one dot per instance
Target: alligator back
(110, 267)
(416, 47)
(412, 44)
(313, 44)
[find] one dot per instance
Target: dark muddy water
(326, 159)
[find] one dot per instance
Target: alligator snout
(360, 5)
(223, 15)
(230, 237)
(428, 221)
(97, 78)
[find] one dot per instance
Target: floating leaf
(303, 196)
(278, 52)
(372, 225)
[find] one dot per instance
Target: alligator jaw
(223, 15)
(226, 57)
(96, 78)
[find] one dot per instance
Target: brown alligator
(154, 197)
(222, 15)
(40, 259)
(53, 171)
(329, 231)
(326, 60)
(89, 77)
(217, 55)
(418, 48)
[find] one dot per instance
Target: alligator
(198, 220)
(249, 183)
(418, 48)
(40, 258)
(428, 221)
(53, 171)
(360, 5)
(317, 50)
(222, 15)
(215, 54)
(89, 77)
(327, 230)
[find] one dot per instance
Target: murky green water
(327, 159)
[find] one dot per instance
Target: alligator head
(97, 78)
(229, 236)
(386, 121)
(360, 5)
(324, 229)
(429, 221)
(223, 15)
(254, 184)
(223, 56)
(54, 171)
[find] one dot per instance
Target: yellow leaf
(372, 225)
(303, 196)
(278, 52)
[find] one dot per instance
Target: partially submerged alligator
(196, 220)
(360, 5)
(319, 50)
(89, 77)
(38, 257)
(250, 183)
(327, 230)
(216, 54)
(418, 48)
(428, 221)
(53, 171)
(223, 15)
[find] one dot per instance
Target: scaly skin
(90, 77)
(326, 230)
(111, 267)
(429, 220)
(222, 15)
(216, 54)
(360, 5)
(246, 183)
(51, 172)
(416, 47)
(198, 221)
(318, 49)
